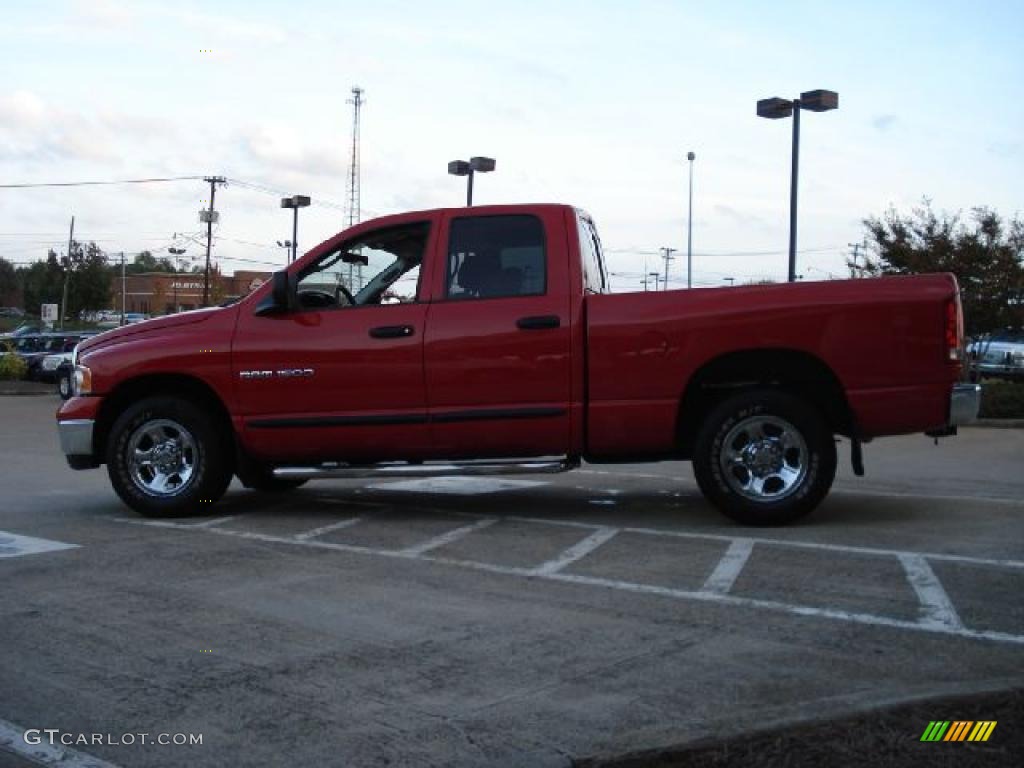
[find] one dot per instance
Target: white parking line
(449, 537)
(728, 569)
(940, 615)
(312, 534)
(935, 603)
(576, 552)
(668, 532)
(851, 491)
(16, 545)
(799, 610)
(214, 521)
(12, 738)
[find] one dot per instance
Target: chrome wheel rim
(162, 458)
(764, 458)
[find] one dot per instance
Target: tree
(985, 253)
(8, 282)
(88, 279)
(42, 282)
(147, 262)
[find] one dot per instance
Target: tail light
(954, 328)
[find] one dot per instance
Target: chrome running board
(430, 469)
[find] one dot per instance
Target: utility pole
(67, 274)
(857, 248)
(667, 257)
(123, 287)
(855, 251)
(209, 216)
(690, 156)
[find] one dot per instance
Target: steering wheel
(346, 293)
(313, 299)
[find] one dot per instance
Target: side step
(541, 466)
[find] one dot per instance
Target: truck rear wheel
(166, 458)
(765, 457)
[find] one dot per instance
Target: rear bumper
(964, 404)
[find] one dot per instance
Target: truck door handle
(392, 331)
(538, 323)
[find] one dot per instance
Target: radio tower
(355, 282)
(353, 169)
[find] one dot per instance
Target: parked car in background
(35, 348)
(25, 329)
(113, 319)
(998, 354)
(11, 312)
(57, 366)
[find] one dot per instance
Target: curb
(998, 424)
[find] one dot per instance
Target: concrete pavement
(527, 622)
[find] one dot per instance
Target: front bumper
(964, 404)
(76, 442)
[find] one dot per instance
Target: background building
(161, 293)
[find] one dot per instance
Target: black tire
(814, 462)
(209, 457)
(64, 386)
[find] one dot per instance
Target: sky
(589, 103)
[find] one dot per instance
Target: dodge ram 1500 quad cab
(486, 340)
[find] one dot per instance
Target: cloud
(883, 122)
(281, 149)
(215, 26)
(34, 130)
(741, 218)
(105, 13)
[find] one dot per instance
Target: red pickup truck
(485, 340)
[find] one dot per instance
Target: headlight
(82, 380)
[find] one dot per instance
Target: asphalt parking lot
(513, 621)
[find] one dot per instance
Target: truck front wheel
(765, 457)
(166, 458)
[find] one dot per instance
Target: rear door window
(496, 256)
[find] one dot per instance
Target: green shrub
(12, 367)
(1001, 399)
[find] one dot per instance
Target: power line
(34, 185)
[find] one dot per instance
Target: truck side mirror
(281, 298)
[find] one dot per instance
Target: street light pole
(775, 108)
(469, 169)
(793, 178)
(689, 227)
(176, 252)
(295, 202)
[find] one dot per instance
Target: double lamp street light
(294, 202)
(775, 108)
(468, 169)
